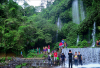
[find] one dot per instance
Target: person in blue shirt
(21, 54)
(63, 42)
(63, 58)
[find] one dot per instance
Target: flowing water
(82, 10)
(89, 55)
(59, 25)
(93, 34)
(77, 40)
(75, 12)
(75, 15)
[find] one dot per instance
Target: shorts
(48, 50)
(60, 46)
(55, 58)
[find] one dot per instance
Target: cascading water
(75, 15)
(75, 12)
(89, 55)
(77, 40)
(93, 34)
(59, 25)
(82, 10)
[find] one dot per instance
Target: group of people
(55, 57)
(46, 49)
(62, 43)
(77, 58)
(98, 42)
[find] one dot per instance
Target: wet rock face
(89, 55)
(30, 63)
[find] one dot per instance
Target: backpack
(57, 58)
(48, 57)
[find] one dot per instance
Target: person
(48, 48)
(63, 58)
(63, 42)
(75, 58)
(80, 58)
(66, 45)
(97, 43)
(49, 59)
(70, 58)
(37, 50)
(21, 54)
(60, 45)
(55, 56)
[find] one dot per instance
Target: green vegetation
(9, 58)
(24, 29)
(2, 60)
(35, 55)
(18, 66)
(24, 64)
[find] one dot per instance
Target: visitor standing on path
(76, 58)
(55, 56)
(48, 48)
(49, 59)
(70, 58)
(80, 58)
(63, 42)
(21, 54)
(63, 59)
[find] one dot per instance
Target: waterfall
(82, 10)
(89, 55)
(77, 40)
(75, 12)
(75, 15)
(93, 34)
(59, 25)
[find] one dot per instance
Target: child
(48, 48)
(49, 59)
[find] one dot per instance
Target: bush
(9, 58)
(82, 44)
(18, 66)
(31, 55)
(72, 47)
(24, 64)
(3, 58)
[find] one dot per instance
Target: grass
(33, 55)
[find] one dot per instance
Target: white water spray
(93, 34)
(75, 12)
(59, 25)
